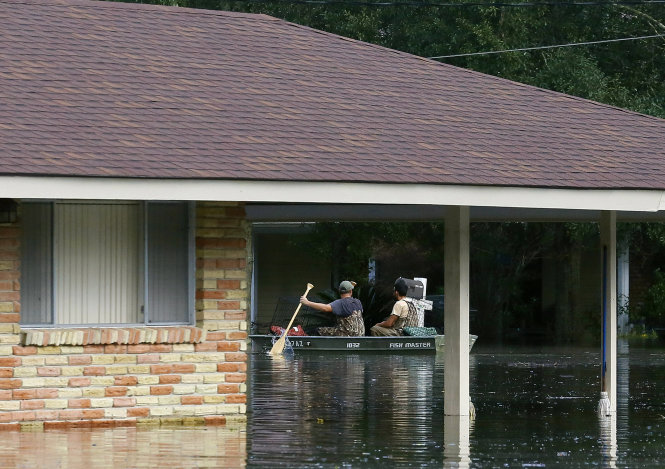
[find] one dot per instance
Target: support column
(608, 260)
(456, 312)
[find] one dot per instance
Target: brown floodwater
(536, 407)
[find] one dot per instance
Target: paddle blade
(278, 347)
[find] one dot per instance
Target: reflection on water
(535, 408)
(456, 450)
(176, 447)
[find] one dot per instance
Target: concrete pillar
(456, 447)
(608, 261)
(456, 312)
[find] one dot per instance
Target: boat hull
(399, 344)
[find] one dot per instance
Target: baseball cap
(346, 286)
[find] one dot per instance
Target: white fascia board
(78, 188)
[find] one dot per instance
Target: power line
(547, 47)
(462, 5)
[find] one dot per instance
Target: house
(138, 142)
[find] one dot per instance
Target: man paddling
(347, 311)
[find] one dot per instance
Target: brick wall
(50, 378)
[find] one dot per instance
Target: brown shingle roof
(126, 90)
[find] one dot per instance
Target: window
(106, 263)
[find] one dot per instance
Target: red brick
(161, 390)
(206, 347)
(93, 349)
(32, 405)
(230, 264)
(161, 369)
(70, 414)
(184, 368)
(170, 379)
(126, 380)
(237, 335)
(79, 382)
(9, 275)
(228, 284)
(117, 349)
(10, 427)
(228, 367)
(80, 360)
(235, 357)
(215, 336)
(78, 403)
(191, 400)
(19, 394)
(6, 372)
(210, 295)
(10, 317)
(148, 358)
(229, 305)
(5, 395)
(236, 399)
(140, 348)
(56, 425)
(236, 377)
(22, 416)
(115, 391)
(138, 412)
(20, 350)
(9, 254)
(196, 335)
(6, 383)
(124, 401)
(228, 346)
(93, 413)
(228, 388)
(214, 420)
(10, 296)
(94, 371)
(103, 423)
(10, 361)
(49, 371)
(47, 393)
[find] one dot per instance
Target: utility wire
(547, 47)
(458, 5)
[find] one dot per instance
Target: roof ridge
(138, 6)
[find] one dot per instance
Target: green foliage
(653, 309)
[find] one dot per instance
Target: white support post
(456, 312)
(608, 260)
(456, 446)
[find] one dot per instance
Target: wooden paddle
(278, 347)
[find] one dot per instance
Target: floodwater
(534, 408)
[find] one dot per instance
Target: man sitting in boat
(403, 315)
(348, 312)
